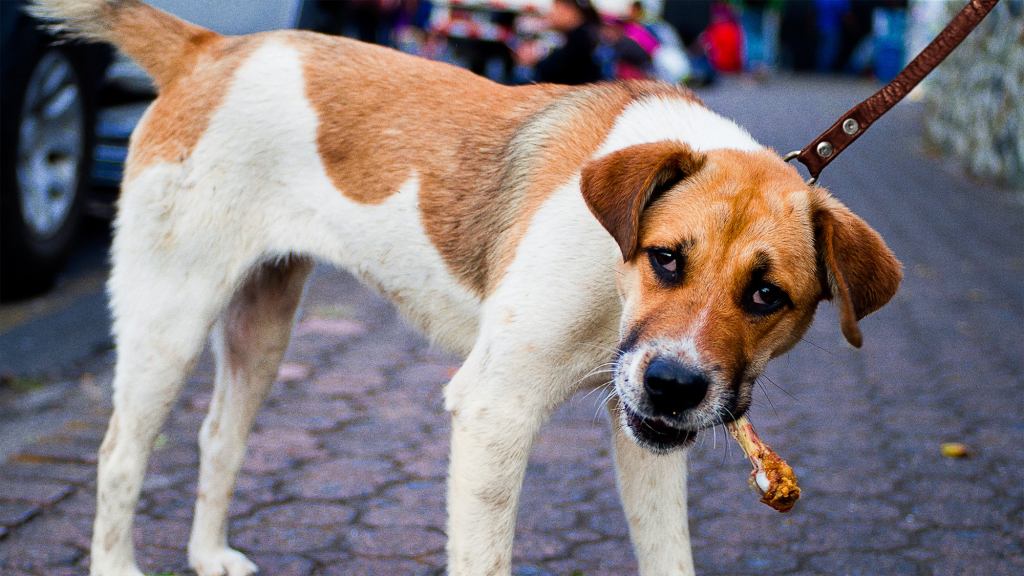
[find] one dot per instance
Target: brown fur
(372, 139)
(728, 218)
(618, 187)
(856, 265)
(163, 44)
(486, 155)
(181, 113)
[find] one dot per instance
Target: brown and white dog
(544, 232)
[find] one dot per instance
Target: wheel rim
(50, 144)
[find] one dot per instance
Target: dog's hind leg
(653, 492)
(248, 342)
(163, 305)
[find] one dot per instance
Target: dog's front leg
(653, 491)
(495, 418)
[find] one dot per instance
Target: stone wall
(975, 100)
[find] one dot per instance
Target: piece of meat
(771, 475)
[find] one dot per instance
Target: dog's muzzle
(663, 419)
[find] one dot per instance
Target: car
(48, 132)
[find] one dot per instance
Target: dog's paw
(222, 562)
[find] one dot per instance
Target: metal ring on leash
(851, 125)
(794, 155)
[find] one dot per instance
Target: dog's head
(726, 254)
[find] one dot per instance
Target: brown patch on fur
(165, 45)
(181, 113)
(618, 187)
(448, 126)
(857, 267)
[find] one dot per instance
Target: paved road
(49, 342)
(345, 470)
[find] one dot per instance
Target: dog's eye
(667, 264)
(764, 298)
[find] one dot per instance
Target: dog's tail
(162, 43)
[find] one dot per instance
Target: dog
(542, 232)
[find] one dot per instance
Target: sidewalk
(345, 469)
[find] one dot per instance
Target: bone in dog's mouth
(772, 476)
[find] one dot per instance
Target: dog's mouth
(656, 433)
(702, 398)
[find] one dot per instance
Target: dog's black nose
(672, 387)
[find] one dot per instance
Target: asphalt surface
(345, 471)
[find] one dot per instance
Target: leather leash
(824, 149)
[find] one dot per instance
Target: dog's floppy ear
(858, 271)
(618, 187)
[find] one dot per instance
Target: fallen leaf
(954, 450)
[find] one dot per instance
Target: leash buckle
(795, 155)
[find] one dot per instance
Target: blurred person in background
(573, 62)
(798, 38)
(760, 35)
(830, 15)
(622, 57)
(855, 31)
(689, 19)
(635, 28)
(669, 60)
(723, 39)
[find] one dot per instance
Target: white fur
(656, 118)
(191, 237)
(653, 492)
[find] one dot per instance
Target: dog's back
(290, 142)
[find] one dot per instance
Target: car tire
(48, 136)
